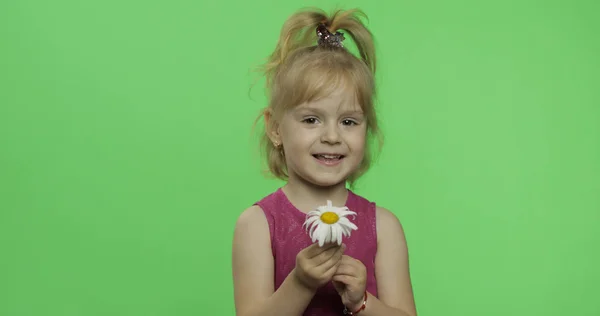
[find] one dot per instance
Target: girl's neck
(307, 197)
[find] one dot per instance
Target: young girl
(318, 122)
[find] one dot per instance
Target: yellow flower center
(329, 218)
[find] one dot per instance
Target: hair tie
(327, 39)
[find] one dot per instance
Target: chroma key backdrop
(127, 151)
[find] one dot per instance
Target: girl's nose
(331, 134)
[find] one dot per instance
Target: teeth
(330, 156)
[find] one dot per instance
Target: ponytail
(349, 21)
(298, 32)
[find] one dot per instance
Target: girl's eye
(310, 120)
(349, 122)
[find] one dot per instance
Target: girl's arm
(253, 276)
(391, 270)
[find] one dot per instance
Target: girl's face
(324, 141)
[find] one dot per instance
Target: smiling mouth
(327, 157)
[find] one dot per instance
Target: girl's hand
(316, 265)
(350, 281)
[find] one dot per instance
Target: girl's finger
(346, 279)
(331, 270)
(345, 269)
(325, 255)
(315, 250)
(335, 259)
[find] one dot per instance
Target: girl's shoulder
(388, 226)
(269, 200)
(252, 218)
(381, 211)
(387, 222)
(386, 216)
(254, 215)
(360, 201)
(260, 214)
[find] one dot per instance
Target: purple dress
(288, 237)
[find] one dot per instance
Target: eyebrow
(318, 110)
(354, 112)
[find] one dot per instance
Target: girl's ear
(272, 128)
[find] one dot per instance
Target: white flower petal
(323, 231)
(334, 233)
(345, 230)
(313, 213)
(346, 213)
(317, 233)
(310, 221)
(337, 211)
(313, 231)
(339, 234)
(329, 236)
(346, 222)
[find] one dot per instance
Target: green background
(127, 151)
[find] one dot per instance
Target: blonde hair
(300, 71)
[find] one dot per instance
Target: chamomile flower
(328, 223)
